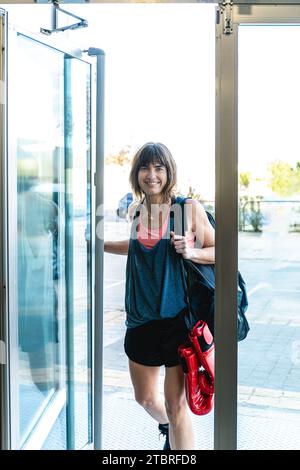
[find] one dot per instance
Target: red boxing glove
(200, 403)
(203, 344)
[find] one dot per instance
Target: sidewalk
(127, 427)
(268, 365)
(267, 417)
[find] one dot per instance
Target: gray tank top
(154, 287)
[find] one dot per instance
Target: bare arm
(204, 255)
(200, 228)
(205, 236)
(120, 247)
(117, 247)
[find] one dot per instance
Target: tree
(192, 194)
(284, 179)
(244, 179)
(122, 157)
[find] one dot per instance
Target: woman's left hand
(182, 245)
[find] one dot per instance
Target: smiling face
(152, 179)
(153, 172)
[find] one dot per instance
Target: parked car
(123, 206)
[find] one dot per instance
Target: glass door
(78, 248)
(259, 182)
(269, 236)
(49, 245)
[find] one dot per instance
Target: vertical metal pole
(99, 253)
(68, 165)
(53, 16)
(4, 373)
(226, 241)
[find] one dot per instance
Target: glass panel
(78, 249)
(51, 107)
(269, 237)
(38, 120)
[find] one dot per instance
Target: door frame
(4, 386)
(227, 204)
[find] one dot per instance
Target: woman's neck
(157, 201)
(156, 207)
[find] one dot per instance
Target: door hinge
(226, 10)
(56, 9)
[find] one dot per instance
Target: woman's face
(152, 179)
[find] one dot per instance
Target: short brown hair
(154, 152)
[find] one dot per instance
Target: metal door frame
(227, 203)
(4, 386)
(240, 2)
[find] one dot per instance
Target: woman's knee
(146, 400)
(145, 383)
(175, 407)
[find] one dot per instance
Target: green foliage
(244, 179)
(208, 205)
(250, 214)
(284, 179)
(192, 194)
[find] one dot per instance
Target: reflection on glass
(37, 273)
(40, 232)
(52, 128)
(78, 253)
(269, 237)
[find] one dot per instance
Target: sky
(160, 84)
(159, 78)
(269, 95)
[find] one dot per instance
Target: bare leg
(180, 429)
(145, 383)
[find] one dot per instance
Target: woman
(154, 300)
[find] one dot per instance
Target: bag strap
(188, 317)
(186, 266)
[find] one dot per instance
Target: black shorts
(156, 342)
